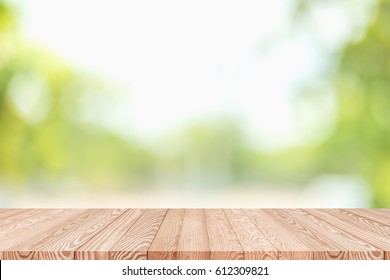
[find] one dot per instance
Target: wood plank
(356, 248)
(166, 241)
(223, 241)
(370, 225)
(99, 246)
(194, 234)
(372, 214)
(323, 248)
(61, 243)
(255, 244)
(37, 231)
(34, 232)
(194, 241)
(288, 246)
(135, 243)
(26, 219)
(385, 212)
(6, 213)
(357, 226)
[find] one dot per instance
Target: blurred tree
(361, 140)
(43, 136)
(213, 153)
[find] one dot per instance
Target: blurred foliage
(213, 153)
(44, 137)
(42, 133)
(360, 143)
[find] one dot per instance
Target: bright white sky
(180, 61)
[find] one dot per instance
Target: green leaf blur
(44, 137)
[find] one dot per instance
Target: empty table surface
(256, 234)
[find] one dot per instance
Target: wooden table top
(124, 234)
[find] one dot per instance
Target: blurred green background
(50, 144)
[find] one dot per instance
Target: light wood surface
(129, 234)
(253, 241)
(321, 248)
(134, 244)
(224, 243)
(100, 245)
(194, 239)
(164, 245)
(355, 247)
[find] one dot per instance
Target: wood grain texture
(357, 226)
(356, 248)
(223, 241)
(22, 219)
(127, 234)
(164, 245)
(7, 213)
(99, 246)
(62, 242)
(26, 235)
(135, 243)
(253, 241)
(194, 241)
(321, 246)
(373, 215)
(369, 226)
(288, 246)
